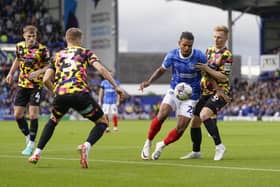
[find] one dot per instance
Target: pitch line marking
(154, 163)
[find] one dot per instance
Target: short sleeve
(92, 57)
(167, 61)
(227, 62)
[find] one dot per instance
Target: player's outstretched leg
(45, 137)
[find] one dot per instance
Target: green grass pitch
(251, 160)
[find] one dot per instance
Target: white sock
(88, 145)
(220, 146)
(27, 138)
(148, 141)
(162, 145)
(31, 144)
(37, 151)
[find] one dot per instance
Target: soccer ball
(183, 91)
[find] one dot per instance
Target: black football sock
(211, 126)
(23, 126)
(96, 133)
(196, 138)
(46, 134)
(33, 129)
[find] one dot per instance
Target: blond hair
(222, 28)
(30, 28)
(73, 34)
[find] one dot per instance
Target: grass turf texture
(252, 157)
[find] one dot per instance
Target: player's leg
(34, 103)
(184, 113)
(173, 135)
(60, 107)
(44, 139)
(114, 112)
(210, 124)
(33, 116)
(155, 126)
(196, 137)
(108, 126)
(21, 121)
(91, 110)
(106, 110)
(208, 117)
(21, 100)
(195, 131)
(166, 107)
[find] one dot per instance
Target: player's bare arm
(9, 78)
(118, 100)
(216, 74)
(157, 73)
(47, 79)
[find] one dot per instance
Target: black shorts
(81, 102)
(210, 101)
(27, 95)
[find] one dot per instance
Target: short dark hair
(187, 35)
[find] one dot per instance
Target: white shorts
(184, 108)
(110, 109)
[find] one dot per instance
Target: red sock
(154, 128)
(115, 120)
(172, 137)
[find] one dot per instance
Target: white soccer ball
(183, 91)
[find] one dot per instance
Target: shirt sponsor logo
(188, 75)
(227, 66)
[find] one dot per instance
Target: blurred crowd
(15, 14)
(258, 98)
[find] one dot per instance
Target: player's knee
(203, 116)
(162, 116)
(196, 122)
(18, 116)
(54, 119)
(103, 119)
(33, 116)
